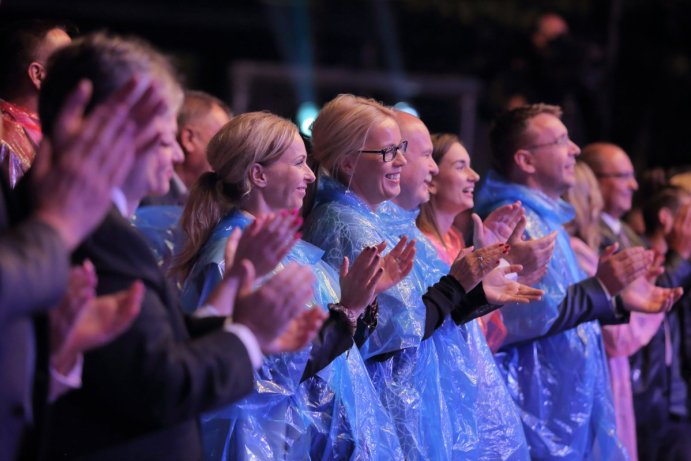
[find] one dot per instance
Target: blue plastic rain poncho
(484, 419)
(560, 383)
(159, 225)
(333, 415)
(404, 368)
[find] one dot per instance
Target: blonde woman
(318, 403)
(362, 154)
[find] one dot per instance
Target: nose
(309, 175)
(434, 168)
(399, 159)
(633, 183)
(474, 177)
(574, 149)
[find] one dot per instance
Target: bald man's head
(615, 176)
(417, 173)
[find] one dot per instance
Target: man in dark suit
(141, 394)
(659, 390)
(40, 223)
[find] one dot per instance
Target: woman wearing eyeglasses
(359, 147)
(318, 403)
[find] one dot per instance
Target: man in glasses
(559, 380)
(660, 393)
(617, 181)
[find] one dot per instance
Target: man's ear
(36, 73)
(187, 138)
(257, 175)
(525, 161)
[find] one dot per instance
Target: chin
(466, 205)
(290, 203)
(391, 193)
(423, 196)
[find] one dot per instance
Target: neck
(614, 214)
(26, 101)
(405, 204)
(132, 204)
(254, 204)
(186, 176)
(536, 185)
(463, 222)
(443, 217)
(355, 190)
(189, 174)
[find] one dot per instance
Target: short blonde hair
(341, 128)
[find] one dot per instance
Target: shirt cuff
(610, 298)
(248, 339)
(207, 310)
(59, 383)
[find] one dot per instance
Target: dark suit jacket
(629, 239)
(142, 393)
(33, 276)
(658, 389)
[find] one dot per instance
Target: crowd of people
(181, 282)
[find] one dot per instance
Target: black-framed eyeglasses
(388, 153)
(620, 175)
(562, 140)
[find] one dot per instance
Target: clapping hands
(498, 226)
(358, 283)
(82, 321)
(397, 264)
(499, 289)
(617, 270)
(472, 265)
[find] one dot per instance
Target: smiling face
(454, 186)
(552, 155)
(617, 181)
(287, 178)
(152, 170)
(417, 173)
(372, 179)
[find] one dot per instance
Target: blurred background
(621, 69)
